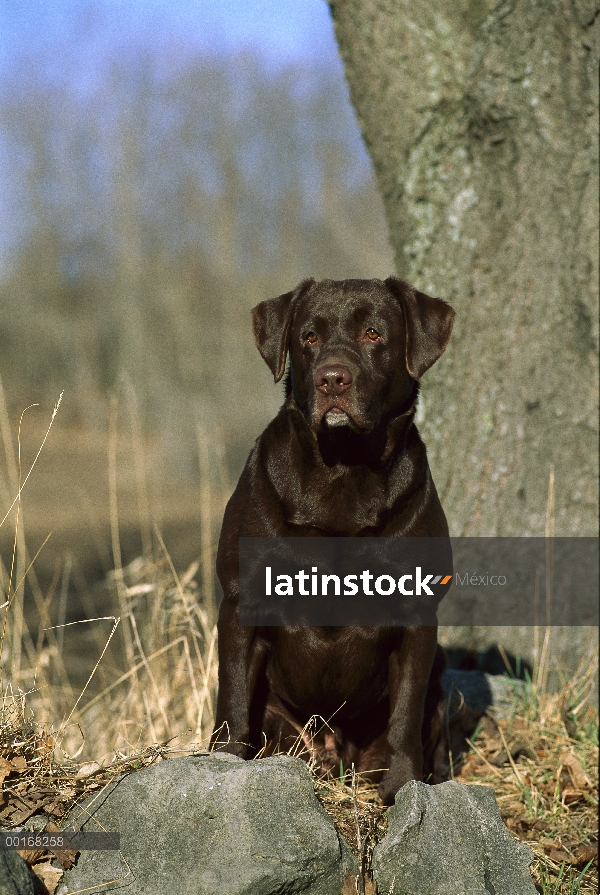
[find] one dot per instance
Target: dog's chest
(347, 503)
(318, 671)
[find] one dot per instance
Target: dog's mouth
(335, 416)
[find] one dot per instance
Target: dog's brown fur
(342, 458)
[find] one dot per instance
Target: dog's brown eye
(372, 334)
(310, 337)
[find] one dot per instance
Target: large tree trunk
(482, 125)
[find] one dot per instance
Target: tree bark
(482, 126)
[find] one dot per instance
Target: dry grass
(149, 662)
(542, 764)
(150, 670)
(166, 693)
(151, 693)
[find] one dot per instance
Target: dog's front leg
(409, 670)
(232, 723)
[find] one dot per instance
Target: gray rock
(15, 878)
(214, 825)
(505, 693)
(449, 839)
(569, 645)
(482, 691)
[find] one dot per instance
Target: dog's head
(356, 346)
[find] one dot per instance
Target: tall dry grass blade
(510, 758)
(110, 637)
(150, 675)
(61, 678)
(16, 638)
(19, 556)
(14, 479)
(113, 435)
(44, 622)
(35, 459)
(209, 681)
(62, 601)
(14, 596)
(33, 653)
(208, 584)
(150, 720)
(359, 840)
(192, 677)
(128, 674)
(145, 518)
(536, 627)
(509, 669)
(581, 685)
(11, 463)
(549, 536)
(202, 616)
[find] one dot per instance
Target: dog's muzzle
(337, 417)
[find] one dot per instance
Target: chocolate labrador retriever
(342, 458)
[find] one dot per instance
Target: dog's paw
(401, 771)
(386, 791)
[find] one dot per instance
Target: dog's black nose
(333, 379)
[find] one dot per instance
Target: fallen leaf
(522, 827)
(86, 769)
(516, 750)
(579, 857)
(22, 814)
(520, 725)
(578, 776)
(53, 808)
(49, 875)
(20, 763)
(570, 795)
(586, 853)
(66, 856)
(6, 768)
(557, 854)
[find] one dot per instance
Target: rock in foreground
(449, 839)
(15, 878)
(214, 825)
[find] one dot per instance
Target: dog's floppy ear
(428, 323)
(271, 321)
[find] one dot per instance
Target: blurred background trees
(149, 200)
(150, 209)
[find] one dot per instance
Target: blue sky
(281, 30)
(72, 40)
